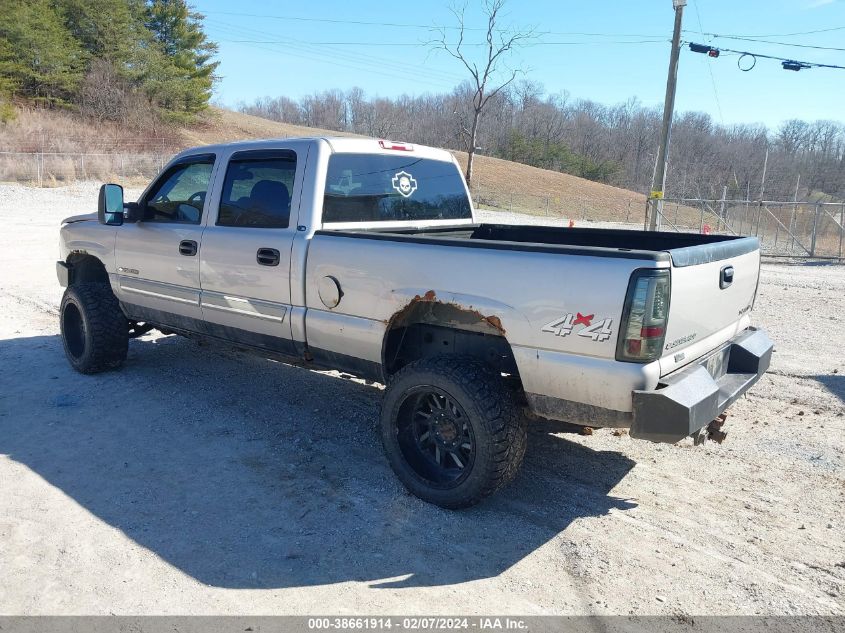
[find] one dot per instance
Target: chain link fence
(785, 229)
(45, 169)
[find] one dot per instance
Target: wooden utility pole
(654, 205)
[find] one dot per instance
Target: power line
(393, 75)
(827, 30)
(346, 56)
(709, 66)
(344, 59)
(660, 41)
(416, 26)
(316, 51)
(350, 61)
(788, 63)
(752, 39)
(242, 33)
(468, 28)
(332, 21)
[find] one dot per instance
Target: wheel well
(86, 269)
(427, 328)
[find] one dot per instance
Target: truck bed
(684, 249)
(714, 277)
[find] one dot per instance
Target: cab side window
(179, 194)
(257, 189)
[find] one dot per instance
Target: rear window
(375, 188)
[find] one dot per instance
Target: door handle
(268, 257)
(726, 277)
(188, 248)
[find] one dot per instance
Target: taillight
(644, 317)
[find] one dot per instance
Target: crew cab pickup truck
(365, 256)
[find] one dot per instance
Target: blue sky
(605, 51)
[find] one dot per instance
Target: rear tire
(451, 430)
(95, 331)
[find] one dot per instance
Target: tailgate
(712, 291)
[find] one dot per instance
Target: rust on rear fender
(464, 317)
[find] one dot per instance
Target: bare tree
(490, 75)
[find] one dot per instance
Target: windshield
(379, 188)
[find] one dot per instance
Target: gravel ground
(199, 480)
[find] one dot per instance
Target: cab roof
(337, 144)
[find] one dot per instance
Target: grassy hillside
(226, 125)
(499, 184)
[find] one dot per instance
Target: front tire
(95, 331)
(451, 430)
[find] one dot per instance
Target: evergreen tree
(39, 57)
(111, 30)
(182, 76)
(108, 57)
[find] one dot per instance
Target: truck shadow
(834, 383)
(245, 473)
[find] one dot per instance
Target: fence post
(792, 228)
(701, 222)
(628, 214)
(815, 225)
(510, 208)
(722, 217)
(841, 228)
(547, 206)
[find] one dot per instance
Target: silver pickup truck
(365, 256)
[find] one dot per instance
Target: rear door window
(257, 189)
(381, 188)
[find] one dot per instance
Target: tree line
(130, 61)
(614, 144)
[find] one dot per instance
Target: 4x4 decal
(599, 331)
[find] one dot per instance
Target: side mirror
(133, 212)
(110, 205)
